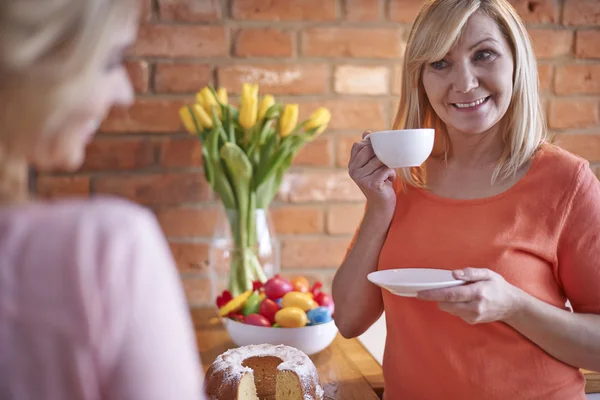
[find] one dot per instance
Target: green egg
(252, 304)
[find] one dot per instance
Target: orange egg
(300, 284)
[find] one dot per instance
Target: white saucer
(409, 281)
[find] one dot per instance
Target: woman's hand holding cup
(372, 177)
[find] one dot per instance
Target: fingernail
(459, 272)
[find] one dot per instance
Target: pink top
(91, 306)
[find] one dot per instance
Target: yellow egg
(298, 299)
(235, 304)
(291, 317)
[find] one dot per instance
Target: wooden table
(346, 369)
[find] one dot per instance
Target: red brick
(139, 73)
(181, 41)
(288, 79)
(118, 154)
(357, 79)
(584, 145)
(343, 148)
(362, 10)
(344, 218)
(315, 154)
(263, 42)
(146, 115)
(184, 222)
(190, 10)
(320, 186)
(182, 77)
(190, 257)
(325, 252)
(353, 42)
(537, 11)
(582, 79)
(52, 187)
(397, 79)
(550, 43)
(545, 76)
(181, 152)
(298, 220)
(581, 12)
(284, 10)
(404, 11)
(197, 290)
(156, 189)
(572, 113)
(349, 114)
(587, 44)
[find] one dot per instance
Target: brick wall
(343, 54)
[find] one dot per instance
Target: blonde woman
(90, 302)
(517, 218)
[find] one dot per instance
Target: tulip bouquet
(246, 152)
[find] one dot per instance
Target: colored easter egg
(235, 304)
(277, 287)
(298, 299)
(291, 317)
(252, 304)
(325, 300)
(300, 284)
(268, 308)
(256, 319)
(319, 315)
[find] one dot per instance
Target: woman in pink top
(91, 305)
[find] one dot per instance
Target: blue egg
(278, 301)
(319, 315)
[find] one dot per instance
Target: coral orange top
(542, 235)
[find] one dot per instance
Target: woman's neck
(14, 187)
(472, 151)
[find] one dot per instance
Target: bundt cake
(263, 372)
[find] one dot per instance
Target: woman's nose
(463, 78)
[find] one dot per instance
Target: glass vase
(227, 258)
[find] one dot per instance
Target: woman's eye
(483, 55)
(439, 64)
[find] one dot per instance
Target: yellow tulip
(249, 106)
(222, 95)
(319, 118)
(207, 100)
(289, 119)
(265, 104)
(202, 116)
(187, 120)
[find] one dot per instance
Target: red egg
(256, 319)
(325, 300)
(268, 308)
(277, 287)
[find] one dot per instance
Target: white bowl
(409, 281)
(309, 339)
(403, 147)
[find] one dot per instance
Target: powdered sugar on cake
(231, 363)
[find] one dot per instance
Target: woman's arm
(573, 338)
(358, 303)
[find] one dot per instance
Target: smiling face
(470, 89)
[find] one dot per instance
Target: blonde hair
(47, 49)
(437, 27)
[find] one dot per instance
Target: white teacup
(402, 148)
